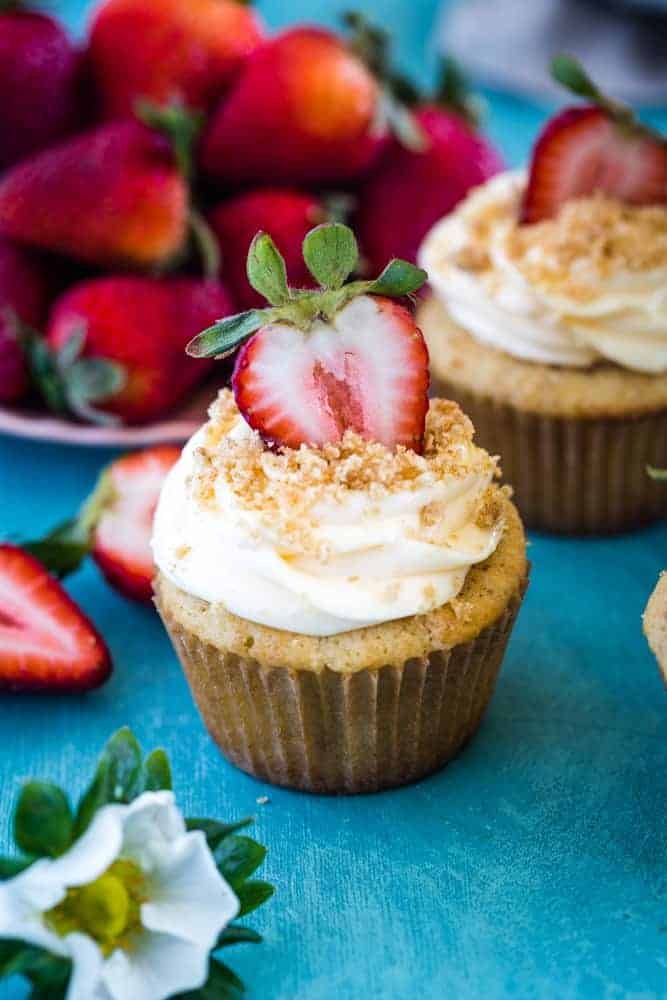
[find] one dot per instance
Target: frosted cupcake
(548, 321)
(338, 570)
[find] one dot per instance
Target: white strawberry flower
(136, 904)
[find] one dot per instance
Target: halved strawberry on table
(318, 363)
(600, 147)
(46, 642)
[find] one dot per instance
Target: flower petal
(156, 967)
(188, 897)
(152, 823)
(92, 853)
(86, 981)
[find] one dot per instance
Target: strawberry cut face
(582, 151)
(46, 643)
(366, 371)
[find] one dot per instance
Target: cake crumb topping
(286, 485)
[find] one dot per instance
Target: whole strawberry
(168, 49)
(112, 196)
(599, 147)
(315, 364)
(305, 109)
(23, 297)
(142, 325)
(39, 83)
(412, 189)
(287, 213)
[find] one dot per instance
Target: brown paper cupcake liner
(344, 733)
(573, 475)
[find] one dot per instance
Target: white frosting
(625, 323)
(379, 563)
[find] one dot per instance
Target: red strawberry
(287, 213)
(411, 190)
(22, 297)
(144, 325)
(168, 49)
(304, 109)
(39, 70)
(596, 148)
(46, 643)
(121, 539)
(111, 196)
(366, 371)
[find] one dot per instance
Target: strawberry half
(46, 643)
(341, 357)
(121, 539)
(596, 148)
(365, 371)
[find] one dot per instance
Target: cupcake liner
(573, 475)
(343, 733)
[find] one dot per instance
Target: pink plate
(177, 427)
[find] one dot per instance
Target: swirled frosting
(323, 541)
(589, 285)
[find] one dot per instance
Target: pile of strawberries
(135, 172)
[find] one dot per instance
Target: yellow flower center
(108, 909)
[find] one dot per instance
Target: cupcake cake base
(403, 699)
(575, 445)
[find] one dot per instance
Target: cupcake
(548, 319)
(337, 567)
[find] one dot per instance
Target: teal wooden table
(534, 866)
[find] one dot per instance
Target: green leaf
(15, 957)
(9, 867)
(331, 253)
(227, 334)
(214, 831)
(235, 934)
(398, 278)
(402, 123)
(89, 381)
(71, 349)
(222, 984)
(157, 772)
(43, 821)
(237, 858)
(180, 124)
(48, 973)
(660, 475)
(569, 72)
(117, 778)
(206, 243)
(252, 895)
(266, 270)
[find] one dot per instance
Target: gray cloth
(509, 43)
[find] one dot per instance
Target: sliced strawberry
(46, 643)
(121, 542)
(583, 151)
(366, 371)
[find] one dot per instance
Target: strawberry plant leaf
(9, 867)
(253, 894)
(227, 334)
(398, 278)
(43, 821)
(117, 778)
(266, 270)
(89, 381)
(235, 934)
(569, 72)
(214, 831)
(330, 253)
(237, 858)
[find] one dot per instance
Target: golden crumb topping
(285, 486)
(590, 239)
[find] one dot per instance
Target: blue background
(532, 867)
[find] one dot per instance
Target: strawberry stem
(453, 92)
(180, 125)
(206, 244)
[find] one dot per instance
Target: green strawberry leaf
(157, 772)
(214, 831)
(9, 867)
(569, 72)
(227, 334)
(117, 779)
(237, 858)
(235, 934)
(330, 253)
(180, 124)
(251, 895)
(43, 821)
(89, 381)
(222, 984)
(398, 278)
(266, 270)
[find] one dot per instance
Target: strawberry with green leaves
(316, 363)
(598, 147)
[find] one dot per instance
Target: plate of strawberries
(136, 169)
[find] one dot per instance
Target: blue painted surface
(532, 867)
